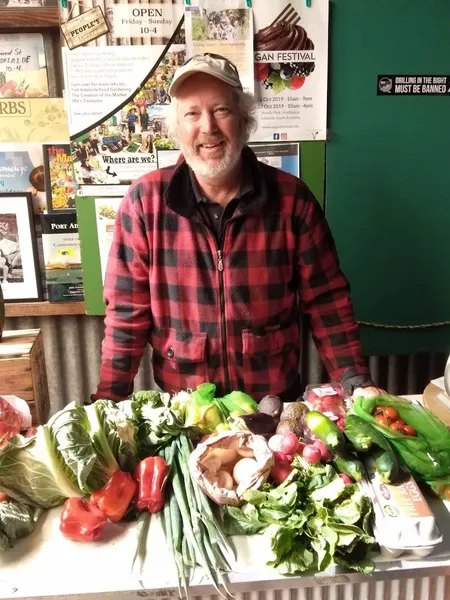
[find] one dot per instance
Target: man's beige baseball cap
(211, 64)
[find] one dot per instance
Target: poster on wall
(117, 89)
(225, 29)
(291, 69)
(23, 68)
(283, 156)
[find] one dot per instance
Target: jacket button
(170, 352)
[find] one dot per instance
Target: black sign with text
(413, 85)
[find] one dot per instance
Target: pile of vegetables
(290, 473)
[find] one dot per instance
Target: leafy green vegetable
(92, 464)
(32, 471)
(312, 520)
(154, 418)
(113, 434)
(16, 520)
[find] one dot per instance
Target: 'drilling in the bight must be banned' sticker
(291, 64)
(413, 85)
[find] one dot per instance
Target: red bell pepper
(81, 521)
(151, 475)
(115, 496)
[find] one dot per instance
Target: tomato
(382, 419)
(390, 413)
(387, 411)
(397, 425)
(408, 430)
(446, 493)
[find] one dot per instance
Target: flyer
(21, 170)
(117, 91)
(59, 180)
(291, 69)
(105, 215)
(61, 248)
(225, 31)
(283, 156)
(23, 70)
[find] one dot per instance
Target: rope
(424, 326)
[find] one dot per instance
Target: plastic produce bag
(10, 422)
(428, 454)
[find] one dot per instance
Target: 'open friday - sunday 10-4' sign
(413, 85)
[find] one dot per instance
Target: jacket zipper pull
(220, 261)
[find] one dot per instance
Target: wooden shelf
(43, 309)
(29, 18)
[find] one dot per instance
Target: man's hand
(368, 392)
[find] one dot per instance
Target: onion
(225, 480)
(225, 455)
(245, 470)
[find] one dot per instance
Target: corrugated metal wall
(72, 347)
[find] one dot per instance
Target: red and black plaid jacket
(227, 314)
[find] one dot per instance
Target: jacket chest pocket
(179, 359)
(271, 360)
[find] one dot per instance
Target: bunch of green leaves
(426, 454)
(154, 417)
(16, 520)
(313, 520)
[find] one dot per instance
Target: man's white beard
(211, 169)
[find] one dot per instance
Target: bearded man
(215, 259)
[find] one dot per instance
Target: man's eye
(190, 114)
(223, 109)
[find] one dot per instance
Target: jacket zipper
(223, 322)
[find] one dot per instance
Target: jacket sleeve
(127, 298)
(325, 297)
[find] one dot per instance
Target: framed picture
(19, 271)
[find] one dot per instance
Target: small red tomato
(311, 454)
(397, 426)
(297, 81)
(324, 452)
(381, 419)
(408, 430)
(345, 478)
(390, 413)
(280, 472)
(446, 493)
(261, 71)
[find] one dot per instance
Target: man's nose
(208, 123)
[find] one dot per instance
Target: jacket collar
(179, 195)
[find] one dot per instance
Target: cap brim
(177, 83)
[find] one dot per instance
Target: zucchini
(325, 430)
(350, 465)
(357, 434)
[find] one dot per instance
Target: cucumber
(350, 465)
(363, 435)
(325, 430)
